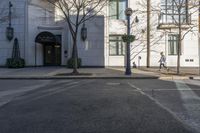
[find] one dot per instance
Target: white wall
(41, 19)
(92, 50)
(18, 23)
(29, 21)
(158, 43)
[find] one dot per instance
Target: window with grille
(116, 45)
(170, 11)
(117, 8)
(173, 44)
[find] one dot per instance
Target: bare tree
(177, 15)
(140, 30)
(3, 11)
(141, 44)
(75, 13)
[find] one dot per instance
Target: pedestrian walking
(162, 61)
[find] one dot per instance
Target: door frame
(52, 55)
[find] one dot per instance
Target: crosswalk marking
(191, 103)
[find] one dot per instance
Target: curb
(73, 77)
(178, 77)
(160, 77)
(196, 77)
(173, 77)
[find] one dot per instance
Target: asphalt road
(99, 106)
(180, 97)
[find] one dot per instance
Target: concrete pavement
(185, 72)
(91, 73)
(63, 73)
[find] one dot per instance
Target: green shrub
(128, 38)
(15, 63)
(70, 63)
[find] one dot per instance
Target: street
(180, 97)
(99, 106)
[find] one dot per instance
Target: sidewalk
(92, 73)
(185, 72)
(61, 73)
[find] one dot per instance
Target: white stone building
(35, 22)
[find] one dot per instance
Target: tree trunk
(179, 42)
(199, 37)
(148, 32)
(75, 56)
(179, 53)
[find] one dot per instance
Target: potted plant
(15, 61)
(128, 38)
(70, 63)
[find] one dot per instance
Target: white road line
(60, 89)
(9, 95)
(172, 89)
(191, 102)
(159, 104)
(180, 85)
(193, 82)
(133, 86)
(60, 86)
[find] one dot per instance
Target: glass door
(52, 55)
(57, 55)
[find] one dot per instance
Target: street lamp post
(199, 38)
(84, 29)
(128, 13)
(9, 29)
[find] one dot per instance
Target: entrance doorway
(51, 48)
(52, 55)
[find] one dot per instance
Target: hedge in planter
(70, 63)
(15, 63)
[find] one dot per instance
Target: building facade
(45, 40)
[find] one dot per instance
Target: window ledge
(118, 20)
(116, 55)
(173, 26)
